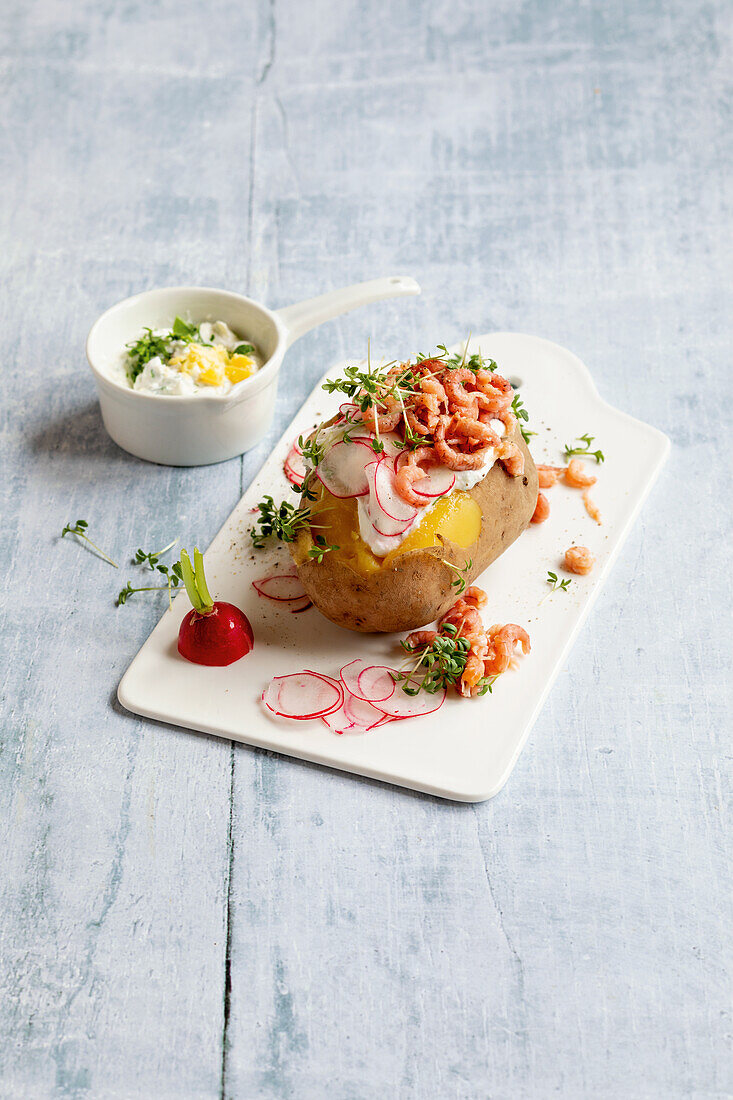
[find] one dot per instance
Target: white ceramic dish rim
(290, 322)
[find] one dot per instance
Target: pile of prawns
(447, 413)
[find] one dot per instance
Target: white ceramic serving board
(467, 749)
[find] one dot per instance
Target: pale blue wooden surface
(180, 918)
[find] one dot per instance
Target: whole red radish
(214, 632)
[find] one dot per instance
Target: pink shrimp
(455, 388)
(384, 420)
(548, 475)
(576, 476)
(578, 559)
(511, 633)
(592, 508)
(434, 388)
(465, 618)
(420, 638)
(497, 392)
(472, 673)
(427, 366)
(542, 509)
(502, 640)
(511, 458)
(476, 596)
(417, 426)
(508, 419)
(421, 456)
(498, 657)
(453, 459)
(404, 478)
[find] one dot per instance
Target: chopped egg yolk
(211, 365)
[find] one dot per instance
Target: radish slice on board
(281, 587)
(401, 705)
(377, 683)
(302, 605)
(342, 469)
(361, 712)
(354, 716)
(303, 695)
(437, 483)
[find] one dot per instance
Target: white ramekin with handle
(204, 428)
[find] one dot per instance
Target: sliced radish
(389, 528)
(437, 483)
(303, 605)
(377, 683)
(401, 705)
(362, 713)
(353, 716)
(303, 695)
(348, 410)
(281, 587)
(295, 467)
(387, 497)
(342, 470)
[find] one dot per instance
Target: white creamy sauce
(161, 378)
(369, 509)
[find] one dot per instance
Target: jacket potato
(460, 535)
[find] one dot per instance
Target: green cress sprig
(79, 529)
(460, 580)
(151, 346)
(556, 584)
(586, 440)
(280, 521)
(283, 522)
(320, 549)
(152, 558)
(521, 414)
(173, 575)
(475, 362)
(440, 665)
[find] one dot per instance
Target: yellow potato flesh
(456, 517)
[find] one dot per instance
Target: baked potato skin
(417, 588)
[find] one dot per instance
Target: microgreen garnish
(311, 450)
(144, 349)
(440, 665)
(521, 414)
(586, 440)
(460, 581)
(281, 521)
(152, 345)
(320, 549)
(556, 584)
(174, 577)
(152, 559)
(244, 349)
(475, 362)
(79, 529)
